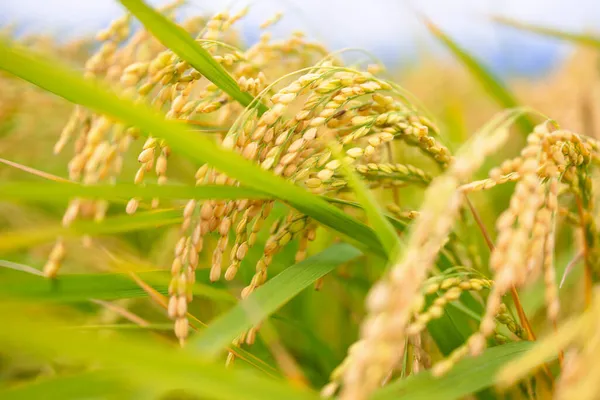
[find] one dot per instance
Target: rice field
(186, 216)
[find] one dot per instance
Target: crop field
(184, 215)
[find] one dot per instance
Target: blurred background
(388, 28)
(551, 75)
(558, 78)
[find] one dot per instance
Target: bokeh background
(557, 78)
(390, 29)
(553, 76)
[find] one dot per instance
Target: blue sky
(389, 28)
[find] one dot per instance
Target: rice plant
(269, 221)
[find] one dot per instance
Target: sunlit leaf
(86, 385)
(181, 43)
(579, 38)
(270, 297)
(470, 375)
(381, 225)
(63, 191)
(50, 75)
(107, 286)
(492, 84)
(141, 363)
(18, 239)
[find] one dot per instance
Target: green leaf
(62, 191)
(108, 286)
(140, 362)
(397, 224)
(549, 347)
(468, 376)
(492, 84)
(382, 227)
(54, 77)
(181, 43)
(579, 38)
(454, 327)
(270, 297)
(18, 239)
(87, 385)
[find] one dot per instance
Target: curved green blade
(18, 239)
(270, 297)
(470, 375)
(50, 75)
(492, 84)
(139, 362)
(181, 43)
(42, 192)
(579, 38)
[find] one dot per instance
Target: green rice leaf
(381, 225)
(492, 84)
(470, 375)
(578, 38)
(86, 385)
(181, 43)
(454, 327)
(63, 191)
(107, 286)
(50, 75)
(270, 297)
(397, 224)
(18, 239)
(139, 362)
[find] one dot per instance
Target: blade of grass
(468, 376)
(195, 323)
(140, 362)
(492, 84)
(397, 224)
(381, 225)
(52, 76)
(18, 239)
(453, 329)
(181, 43)
(547, 349)
(86, 385)
(579, 38)
(270, 297)
(108, 286)
(57, 191)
